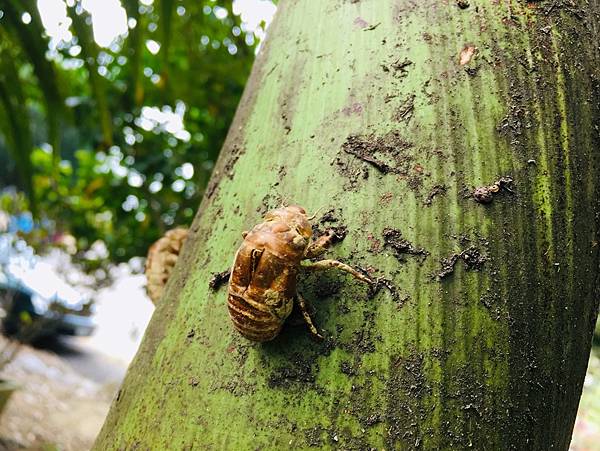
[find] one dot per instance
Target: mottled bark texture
(390, 113)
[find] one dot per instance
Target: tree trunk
(389, 114)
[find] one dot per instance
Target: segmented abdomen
(252, 322)
(261, 293)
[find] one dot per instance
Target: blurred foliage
(117, 143)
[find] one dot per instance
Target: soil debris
(268, 203)
(375, 247)
(386, 198)
(235, 154)
(382, 282)
(219, 279)
(300, 370)
(471, 257)
(372, 420)
(313, 436)
(471, 71)
(354, 108)
(485, 194)
(323, 226)
(346, 368)
(372, 27)
(405, 112)
(517, 118)
(393, 238)
(401, 66)
(363, 150)
(405, 386)
(374, 149)
(437, 190)
(462, 4)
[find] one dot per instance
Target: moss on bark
(390, 113)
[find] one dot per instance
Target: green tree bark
(390, 113)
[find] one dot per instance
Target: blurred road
(67, 385)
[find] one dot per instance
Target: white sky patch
(220, 12)
(187, 170)
(55, 20)
(152, 46)
(112, 162)
(109, 20)
(165, 120)
(253, 12)
(131, 203)
(155, 186)
(75, 50)
(178, 185)
(135, 179)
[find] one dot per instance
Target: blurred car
(27, 315)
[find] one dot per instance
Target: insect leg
(320, 245)
(306, 315)
(328, 264)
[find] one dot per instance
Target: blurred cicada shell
(162, 256)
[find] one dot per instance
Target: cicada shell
(162, 256)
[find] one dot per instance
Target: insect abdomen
(262, 286)
(250, 321)
(261, 293)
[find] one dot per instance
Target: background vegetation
(109, 144)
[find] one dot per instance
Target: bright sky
(109, 19)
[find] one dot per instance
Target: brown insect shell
(267, 262)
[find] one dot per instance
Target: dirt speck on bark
(406, 110)
(385, 153)
(471, 257)
(393, 239)
(437, 190)
(218, 279)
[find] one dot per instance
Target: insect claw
(316, 335)
(366, 274)
(376, 285)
